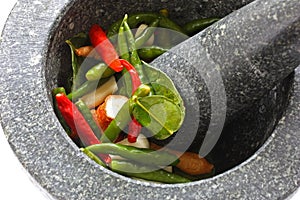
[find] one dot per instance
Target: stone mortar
(32, 54)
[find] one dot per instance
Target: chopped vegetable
(108, 111)
(145, 34)
(145, 100)
(189, 162)
(97, 97)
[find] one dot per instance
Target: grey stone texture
(253, 51)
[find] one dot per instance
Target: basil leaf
(158, 114)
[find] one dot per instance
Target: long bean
(85, 111)
(85, 88)
(135, 59)
(131, 169)
(146, 17)
(124, 52)
(144, 156)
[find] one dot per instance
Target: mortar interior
(240, 138)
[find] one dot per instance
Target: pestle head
(233, 63)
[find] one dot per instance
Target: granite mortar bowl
(257, 156)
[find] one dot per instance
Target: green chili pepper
(99, 71)
(145, 18)
(150, 53)
(85, 111)
(146, 34)
(126, 168)
(118, 124)
(197, 25)
(145, 156)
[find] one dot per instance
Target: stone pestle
(230, 65)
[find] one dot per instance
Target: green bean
(140, 155)
(85, 111)
(118, 124)
(93, 157)
(134, 58)
(101, 70)
(145, 18)
(122, 44)
(197, 25)
(146, 34)
(126, 168)
(150, 53)
(85, 88)
(124, 52)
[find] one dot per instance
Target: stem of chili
(77, 123)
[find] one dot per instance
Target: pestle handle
(253, 48)
(236, 61)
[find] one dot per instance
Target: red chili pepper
(134, 130)
(136, 81)
(77, 123)
(135, 127)
(105, 48)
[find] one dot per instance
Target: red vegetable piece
(105, 48)
(136, 81)
(134, 126)
(77, 123)
(134, 130)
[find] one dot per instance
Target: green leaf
(163, 85)
(158, 114)
(75, 42)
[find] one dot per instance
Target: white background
(14, 180)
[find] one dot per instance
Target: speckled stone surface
(30, 62)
